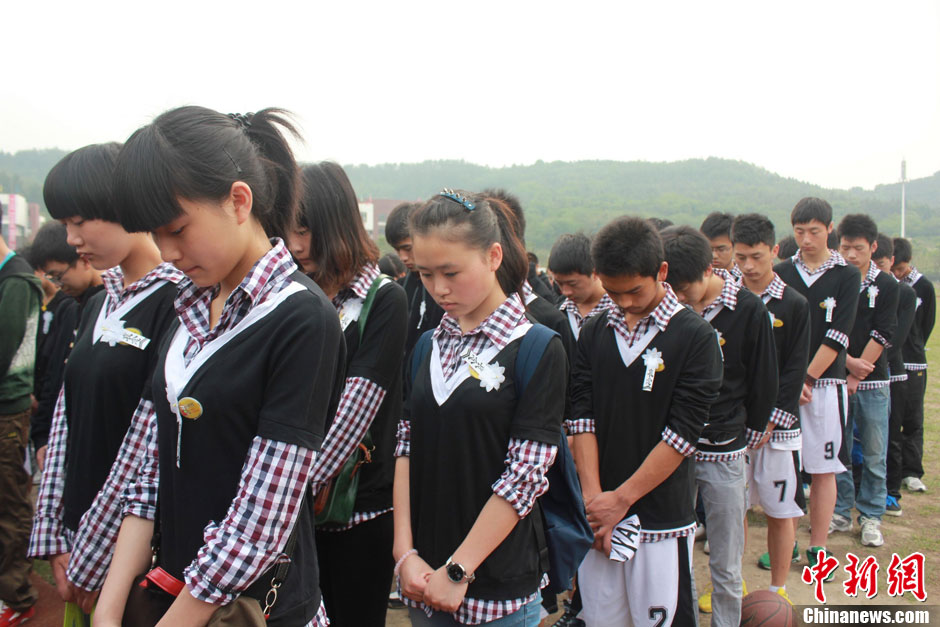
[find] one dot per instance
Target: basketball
(767, 609)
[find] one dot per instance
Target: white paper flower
(351, 310)
(829, 303)
(652, 358)
(492, 376)
(112, 332)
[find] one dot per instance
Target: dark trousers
(912, 424)
(356, 572)
(16, 513)
(893, 480)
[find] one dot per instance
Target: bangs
(144, 194)
(82, 183)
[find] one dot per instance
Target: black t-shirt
(629, 422)
(279, 379)
(458, 451)
(840, 283)
(103, 386)
(914, 350)
(378, 359)
(58, 320)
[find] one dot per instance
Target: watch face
(455, 572)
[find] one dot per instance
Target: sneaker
(811, 558)
(706, 548)
(913, 484)
(764, 560)
(871, 532)
(705, 602)
(840, 523)
(783, 592)
(892, 507)
(568, 619)
(10, 618)
(806, 491)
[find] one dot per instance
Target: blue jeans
(869, 410)
(526, 616)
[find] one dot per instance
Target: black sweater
(749, 383)
(877, 323)
(791, 334)
(840, 283)
(914, 350)
(629, 422)
(907, 306)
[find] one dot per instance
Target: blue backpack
(564, 536)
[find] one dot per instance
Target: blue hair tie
(463, 200)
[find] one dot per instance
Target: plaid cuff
(524, 479)
(677, 442)
(839, 337)
(782, 419)
(48, 538)
(752, 437)
(580, 425)
(403, 437)
(878, 337)
(897, 378)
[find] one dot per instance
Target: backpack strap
(368, 302)
(421, 349)
(531, 349)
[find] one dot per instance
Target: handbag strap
(368, 302)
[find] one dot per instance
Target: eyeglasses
(56, 277)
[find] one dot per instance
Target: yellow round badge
(778, 322)
(190, 408)
(660, 367)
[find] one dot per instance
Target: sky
(830, 92)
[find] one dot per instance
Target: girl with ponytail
(474, 443)
(243, 386)
(332, 246)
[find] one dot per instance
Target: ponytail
(478, 222)
(197, 153)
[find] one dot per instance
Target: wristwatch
(457, 573)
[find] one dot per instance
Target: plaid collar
(497, 327)
(913, 276)
(266, 276)
(113, 280)
(835, 259)
(358, 287)
(660, 316)
(870, 276)
(775, 289)
(729, 292)
(527, 291)
(569, 306)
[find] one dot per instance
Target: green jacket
(20, 301)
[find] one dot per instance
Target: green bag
(334, 504)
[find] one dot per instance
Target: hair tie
(463, 200)
(242, 119)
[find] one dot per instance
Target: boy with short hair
(571, 264)
(773, 468)
(883, 256)
(423, 311)
(868, 382)
(915, 361)
(738, 418)
(717, 228)
(830, 286)
(650, 354)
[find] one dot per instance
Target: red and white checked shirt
(49, 536)
(357, 408)
(527, 461)
(250, 539)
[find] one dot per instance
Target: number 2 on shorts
(658, 614)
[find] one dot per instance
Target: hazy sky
(834, 93)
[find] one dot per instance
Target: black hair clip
(242, 119)
(463, 200)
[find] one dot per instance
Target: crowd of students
(233, 398)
